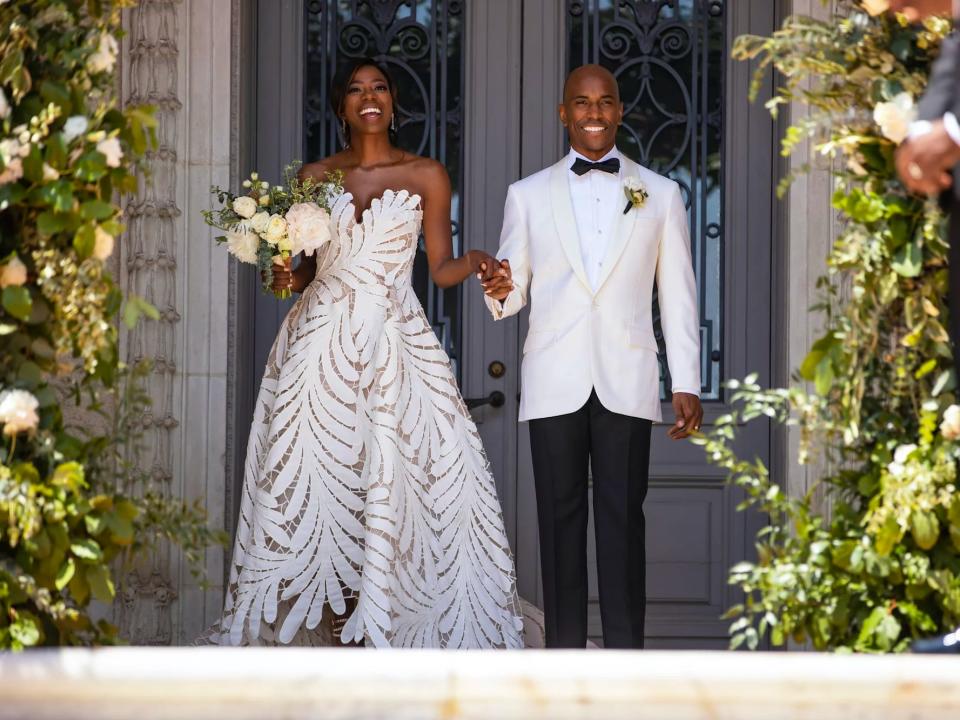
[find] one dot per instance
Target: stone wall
(177, 57)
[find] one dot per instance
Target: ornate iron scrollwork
(421, 43)
(669, 58)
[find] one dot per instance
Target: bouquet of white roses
(271, 224)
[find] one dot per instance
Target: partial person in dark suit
(927, 162)
(927, 159)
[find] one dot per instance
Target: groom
(586, 240)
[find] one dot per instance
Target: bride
(369, 514)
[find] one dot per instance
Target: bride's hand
(484, 266)
(500, 283)
(282, 277)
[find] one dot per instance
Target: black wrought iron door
(421, 44)
(669, 58)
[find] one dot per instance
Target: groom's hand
(498, 283)
(689, 414)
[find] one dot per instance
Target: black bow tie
(582, 167)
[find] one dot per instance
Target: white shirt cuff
(686, 391)
(952, 127)
(918, 128)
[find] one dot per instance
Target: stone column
(177, 57)
(810, 226)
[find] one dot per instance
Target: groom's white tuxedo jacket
(587, 335)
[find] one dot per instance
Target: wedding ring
(914, 171)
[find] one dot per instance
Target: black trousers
(618, 450)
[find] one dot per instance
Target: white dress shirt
(596, 197)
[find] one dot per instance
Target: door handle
(495, 399)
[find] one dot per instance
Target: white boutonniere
(636, 193)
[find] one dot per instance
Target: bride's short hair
(341, 82)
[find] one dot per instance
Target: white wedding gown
(365, 476)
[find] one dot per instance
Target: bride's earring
(344, 138)
(393, 122)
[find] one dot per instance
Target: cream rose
(276, 230)
(894, 117)
(875, 7)
(308, 225)
(103, 244)
(243, 245)
(260, 221)
(105, 56)
(13, 273)
(112, 150)
(950, 427)
(245, 207)
(18, 411)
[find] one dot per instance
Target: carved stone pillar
(176, 56)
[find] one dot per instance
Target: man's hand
(497, 282)
(923, 161)
(916, 10)
(689, 414)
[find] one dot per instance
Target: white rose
(950, 427)
(245, 207)
(103, 244)
(105, 56)
(309, 227)
(74, 127)
(260, 221)
(875, 7)
(264, 200)
(894, 117)
(18, 411)
(276, 230)
(49, 173)
(632, 183)
(12, 172)
(243, 245)
(4, 105)
(112, 150)
(13, 273)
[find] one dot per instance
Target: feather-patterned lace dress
(365, 476)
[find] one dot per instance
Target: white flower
(18, 411)
(243, 245)
(74, 127)
(309, 227)
(105, 56)
(903, 453)
(950, 427)
(245, 207)
(49, 173)
(632, 183)
(875, 7)
(894, 117)
(103, 244)
(264, 200)
(12, 172)
(900, 457)
(112, 150)
(4, 105)
(13, 273)
(259, 221)
(276, 230)
(636, 193)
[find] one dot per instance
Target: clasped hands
(495, 277)
(925, 160)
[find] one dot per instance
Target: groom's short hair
(589, 69)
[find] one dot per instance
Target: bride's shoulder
(318, 169)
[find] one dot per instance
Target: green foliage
(72, 505)
(883, 566)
